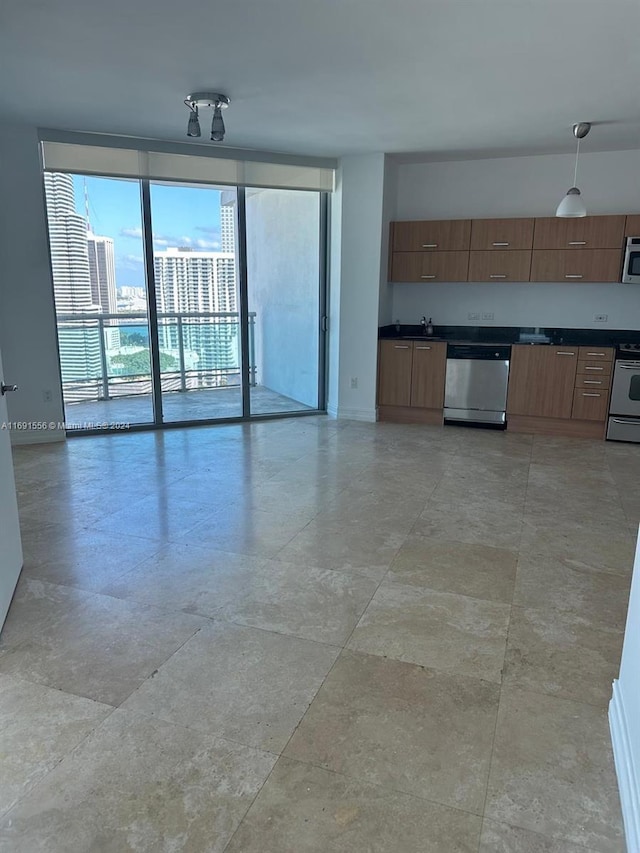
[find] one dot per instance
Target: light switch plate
(487, 315)
(473, 315)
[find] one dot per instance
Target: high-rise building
(228, 220)
(79, 342)
(102, 272)
(200, 282)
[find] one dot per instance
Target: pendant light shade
(572, 204)
(193, 127)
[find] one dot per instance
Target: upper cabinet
(589, 232)
(501, 234)
(511, 250)
(444, 235)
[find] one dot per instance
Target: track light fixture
(572, 204)
(195, 102)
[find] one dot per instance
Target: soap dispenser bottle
(398, 327)
(429, 329)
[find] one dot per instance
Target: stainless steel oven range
(624, 408)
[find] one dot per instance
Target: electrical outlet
(600, 318)
(473, 315)
(47, 396)
(354, 381)
(487, 315)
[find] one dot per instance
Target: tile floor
(306, 636)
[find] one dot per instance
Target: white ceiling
(330, 77)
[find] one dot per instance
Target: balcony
(106, 369)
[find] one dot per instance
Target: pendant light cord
(575, 171)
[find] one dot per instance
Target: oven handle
(635, 366)
(625, 421)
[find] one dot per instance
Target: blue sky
(181, 216)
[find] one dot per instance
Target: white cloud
(135, 233)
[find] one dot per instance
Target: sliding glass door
(197, 299)
(100, 293)
(184, 303)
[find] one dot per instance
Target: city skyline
(181, 217)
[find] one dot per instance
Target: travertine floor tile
(316, 604)
(502, 838)
(102, 649)
(38, 727)
(476, 570)
(552, 771)
(562, 654)
(139, 784)
(404, 727)
(478, 522)
(304, 809)
(450, 633)
(38, 606)
(241, 683)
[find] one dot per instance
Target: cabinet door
(499, 266)
(581, 265)
(590, 405)
(588, 232)
(429, 266)
(450, 235)
(497, 234)
(541, 381)
(632, 226)
(427, 377)
(394, 373)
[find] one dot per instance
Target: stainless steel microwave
(631, 268)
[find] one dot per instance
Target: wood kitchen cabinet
(450, 235)
(427, 374)
(411, 380)
(501, 234)
(559, 390)
(394, 373)
(499, 265)
(632, 226)
(581, 265)
(429, 266)
(588, 232)
(542, 381)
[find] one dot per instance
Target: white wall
(624, 716)
(27, 316)
(518, 186)
(355, 285)
(390, 189)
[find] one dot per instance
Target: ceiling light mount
(199, 100)
(572, 204)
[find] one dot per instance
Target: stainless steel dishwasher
(476, 384)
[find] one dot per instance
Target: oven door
(625, 394)
(631, 272)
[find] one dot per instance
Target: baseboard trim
(332, 411)
(368, 415)
(20, 437)
(625, 769)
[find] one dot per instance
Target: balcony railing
(103, 356)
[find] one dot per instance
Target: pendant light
(572, 204)
(196, 102)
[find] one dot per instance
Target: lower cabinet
(559, 390)
(411, 380)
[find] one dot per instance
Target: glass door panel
(283, 283)
(97, 262)
(194, 251)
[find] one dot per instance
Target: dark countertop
(514, 335)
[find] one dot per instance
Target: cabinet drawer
(596, 353)
(589, 232)
(429, 266)
(499, 266)
(592, 382)
(590, 405)
(594, 368)
(431, 235)
(501, 234)
(578, 266)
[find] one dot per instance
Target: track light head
(218, 102)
